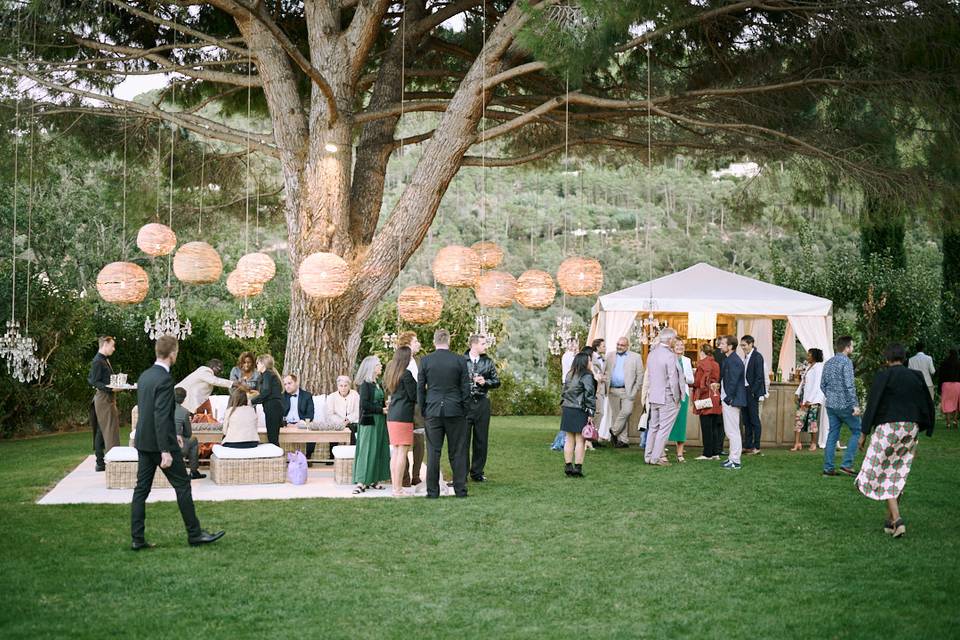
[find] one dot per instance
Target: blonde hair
(267, 361)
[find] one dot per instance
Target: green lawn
(630, 551)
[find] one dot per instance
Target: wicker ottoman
(343, 456)
(122, 470)
(263, 465)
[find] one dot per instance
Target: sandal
(360, 489)
(680, 459)
(376, 485)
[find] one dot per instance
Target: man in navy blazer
(756, 383)
(733, 397)
(299, 411)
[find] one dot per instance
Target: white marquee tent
(704, 291)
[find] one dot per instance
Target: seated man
(297, 406)
(188, 444)
(199, 385)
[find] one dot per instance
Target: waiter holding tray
(104, 416)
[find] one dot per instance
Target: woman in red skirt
(402, 389)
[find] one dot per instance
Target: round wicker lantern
(535, 289)
(122, 283)
(197, 263)
(580, 276)
(240, 287)
(257, 267)
(156, 239)
(496, 289)
(420, 305)
(324, 275)
(456, 266)
(490, 254)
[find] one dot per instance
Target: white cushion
(344, 451)
(121, 454)
(261, 451)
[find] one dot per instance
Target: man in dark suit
(297, 406)
(733, 397)
(755, 380)
(443, 392)
(157, 446)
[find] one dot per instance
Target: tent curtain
(701, 325)
(762, 331)
(788, 352)
(814, 332)
(611, 325)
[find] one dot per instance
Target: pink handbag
(590, 432)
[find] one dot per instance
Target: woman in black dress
(579, 402)
(271, 397)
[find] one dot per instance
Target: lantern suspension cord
(566, 160)
(203, 184)
(246, 231)
(403, 169)
(123, 232)
(483, 126)
(16, 185)
(646, 225)
(159, 163)
(173, 137)
(30, 193)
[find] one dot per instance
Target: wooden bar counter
(777, 415)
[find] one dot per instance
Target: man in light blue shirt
(626, 377)
(843, 407)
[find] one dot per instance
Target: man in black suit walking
(756, 383)
(156, 444)
(443, 393)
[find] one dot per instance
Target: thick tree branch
(435, 19)
(217, 42)
(240, 11)
(362, 33)
(197, 124)
(515, 72)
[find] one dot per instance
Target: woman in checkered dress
(899, 407)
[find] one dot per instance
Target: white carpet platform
(84, 485)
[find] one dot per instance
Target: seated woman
(245, 374)
(343, 407)
(240, 423)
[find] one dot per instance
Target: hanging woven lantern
(123, 283)
(156, 239)
(324, 275)
(420, 305)
(241, 287)
(496, 289)
(456, 266)
(257, 267)
(197, 263)
(535, 289)
(580, 276)
(490, 254)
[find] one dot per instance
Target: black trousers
(751, 423)
(711, 431)
(273, 416)
(98, 443)
(478, 425)
(455, 431)
(148, 461)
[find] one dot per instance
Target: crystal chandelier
(647, 330)
(244, 327)
(561, 334)
(390, 341)
(166, 322)
(20, 352)
(481, 327)
(11, 339)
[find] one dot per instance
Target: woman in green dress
(371, 463)
(685, 369)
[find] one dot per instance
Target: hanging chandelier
(22, 361)
(647, 330)
(561, 334)
(481, 327)
(166, 322)
(245, 327)
(390, 341)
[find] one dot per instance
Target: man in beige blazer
(623, 375)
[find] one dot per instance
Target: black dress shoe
(205, 538)
(479, 479)
(100, 467)
(140, 546)
(196, 475)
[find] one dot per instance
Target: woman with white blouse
(811, 401)
(343, 407)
